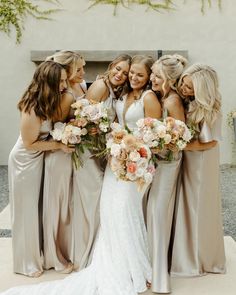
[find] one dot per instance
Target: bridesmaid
(87, 181)
(57, 193)
(198, 242)
(161, 199)
(38, 107)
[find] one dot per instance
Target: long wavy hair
(207, 98)
(43, 94)
(170, 67)
(69, 60)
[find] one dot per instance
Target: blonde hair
(68, 59)
(171, 67)
(206, 93)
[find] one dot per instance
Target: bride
(120, 263)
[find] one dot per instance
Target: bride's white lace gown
(120, 264)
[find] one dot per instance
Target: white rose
(187, 135)
(154, 143)
(116, 126)
(140, 172)
(161, 131)
(103, 126)
(167, 138)
(75, 130)
(134, 156)
(140, 123)
(84, 131)
(142, 163)
(148, 177)
(131, 176)
(115, 149)
(57, 134)
(181, 144)
(148, 137)
(73, 139)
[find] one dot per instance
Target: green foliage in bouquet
(13, 13)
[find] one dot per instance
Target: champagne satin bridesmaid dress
(198, 241)
(25, 169)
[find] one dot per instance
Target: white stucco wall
(209, 38)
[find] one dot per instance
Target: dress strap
(71, 92)
(164, 113)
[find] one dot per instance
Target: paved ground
(228, 188)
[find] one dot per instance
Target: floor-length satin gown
(160, 210)
(86, 192)
(120, 263)
(25, 168)
(57, 206)
(198, 241)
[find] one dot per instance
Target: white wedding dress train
(120, 263)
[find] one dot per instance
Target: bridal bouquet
(130, 159)
(163, 137)
(92, 116)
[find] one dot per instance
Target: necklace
(136, 96)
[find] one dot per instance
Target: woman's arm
(65, 106)
(196, 145)
(30, 130)
(98, 91)
(152, 107)
(175, 107)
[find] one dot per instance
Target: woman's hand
(93, 131)
(155, 151)
(196, 145)
(67, 149)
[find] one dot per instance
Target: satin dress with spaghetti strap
(198, 246)
(87, 185)
(160, 209)
(25, 169)
(57, 207)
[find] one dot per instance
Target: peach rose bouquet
(129, 158)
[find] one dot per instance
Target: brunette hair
(43, 94)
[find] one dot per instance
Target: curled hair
(68, 59)
(171, 67)
(43, 94)
(207, 103)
